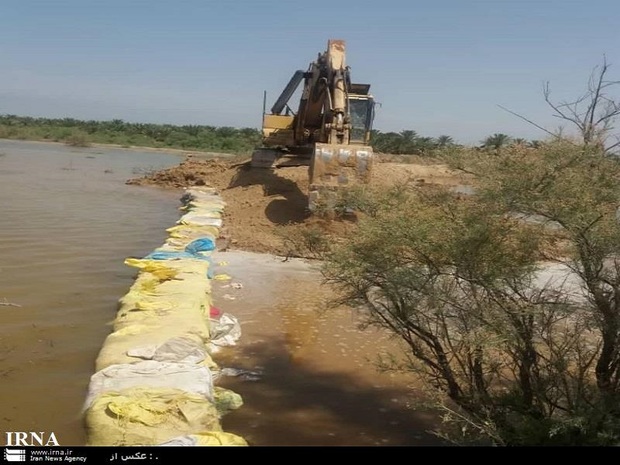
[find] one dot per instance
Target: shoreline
(135, 148)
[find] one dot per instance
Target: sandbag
(187, 230)
(140, 416)
(210, 438)
(199, 219)
(152, 315)
(187, 377)
(154, 378)
(177, 349)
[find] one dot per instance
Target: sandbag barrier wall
(154, 379)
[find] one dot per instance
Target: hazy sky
(437, 67)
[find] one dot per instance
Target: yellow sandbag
(134, 329)
(209, 211)
(142, 416)
(182, 295)
(204, 208)
(117, 345)
(147, 306)
(159, 268)
(152, 314)
(193, 231)
(190, 277)
(177, 308)
(149, 286)
(130, 330)
(169, 299)
(218, 438)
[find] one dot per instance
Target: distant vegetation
(407, 142)
(84, 133)
(204, 138)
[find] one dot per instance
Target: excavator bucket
(334, 167)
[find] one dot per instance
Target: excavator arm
(331, 126)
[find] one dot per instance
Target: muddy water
(67, 222)
(309, 373)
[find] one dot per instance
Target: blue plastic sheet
(192, 251)
(203, 244)
(171, 255)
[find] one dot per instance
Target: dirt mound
(190, 172)
(265, 206)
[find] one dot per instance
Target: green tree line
(78, 132)
(204, 137)
(407, 142)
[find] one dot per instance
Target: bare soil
(263, 205)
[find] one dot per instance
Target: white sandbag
(186, 377)
(176, 349)
(197, 218)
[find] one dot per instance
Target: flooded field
(68, 221)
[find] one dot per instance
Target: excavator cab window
(361, 111)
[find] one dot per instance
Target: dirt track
(262, 205)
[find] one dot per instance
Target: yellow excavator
(330, 127)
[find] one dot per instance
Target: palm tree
(191, 129)
(388, 142)
(407, 141)
(422, 144)
(408, 136)
(443, 141)
(496, 141)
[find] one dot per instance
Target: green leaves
(456, 278)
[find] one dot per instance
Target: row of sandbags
(154, 380)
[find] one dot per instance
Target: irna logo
(30, 438)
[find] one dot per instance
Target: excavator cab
(331, 127)
(361, 111)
